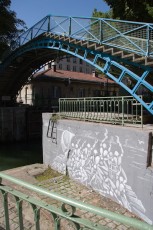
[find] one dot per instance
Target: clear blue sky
(31, 11)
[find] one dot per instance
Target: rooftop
(76, 76)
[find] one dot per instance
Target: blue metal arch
(108, 62)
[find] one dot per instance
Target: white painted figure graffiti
(98, 163)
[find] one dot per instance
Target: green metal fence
(68, 210)
(115, 110)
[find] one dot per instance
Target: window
(60, 66)
(49, 65)
(68, 67)
(81, 92)
(26, 95)
(114, 93)
(74, 59)
(80, 69)
(68, 59)
(33, 94)
(96, 93)
(81, 61)
(56, 92)
(74, 68)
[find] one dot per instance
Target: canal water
(20, 154)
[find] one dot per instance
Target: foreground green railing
(115, 110)
(68, 210)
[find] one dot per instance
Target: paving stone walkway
(69, 188)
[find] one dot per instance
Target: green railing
(115, 110)
(68, 211)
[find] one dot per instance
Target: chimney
(54, 66)
(94, 73)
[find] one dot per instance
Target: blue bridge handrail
(135, 37)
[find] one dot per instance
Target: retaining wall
(20, 124)
(12, 124)
(112, 160)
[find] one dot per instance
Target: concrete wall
(20, 124)
(12, 124)
(110, 159)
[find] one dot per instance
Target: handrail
(134, 37)
(115, 110)
(72, 202)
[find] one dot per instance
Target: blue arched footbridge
(122, 50)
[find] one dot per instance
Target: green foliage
(96, 25)
(10, 26)
(48, 174)
(132, 10)
(99, 14)
(55, 117)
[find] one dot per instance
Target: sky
(32, 11)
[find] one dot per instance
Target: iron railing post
(142, 113)
(59, 105)
(101, 32)
(19, 41)
(84, 109)
(70, 26)
(148, 41)
(19, 210)
(31, 34)
(122, 111)
(36, 216)
(6, 211)
(48, 23)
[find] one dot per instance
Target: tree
(99, 14)
(10, 26)
(132, 10)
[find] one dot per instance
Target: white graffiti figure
(98, 163)
(60, 161)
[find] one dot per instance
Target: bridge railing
(115, 110)
(69, 210)
(130, 36)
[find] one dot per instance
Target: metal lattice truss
(127, 79)
(133, 37)
(114, 47)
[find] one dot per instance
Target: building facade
(46, 87)
(71, 63)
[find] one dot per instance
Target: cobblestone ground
(69, 188)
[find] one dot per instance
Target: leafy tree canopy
(99, 14)
(10, 25)
(132, 10)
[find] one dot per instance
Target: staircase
(113, 51)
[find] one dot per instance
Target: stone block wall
(112, 160)
(12, 124)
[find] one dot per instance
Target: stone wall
(20, 124)
(112, 160)
(12, 124)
